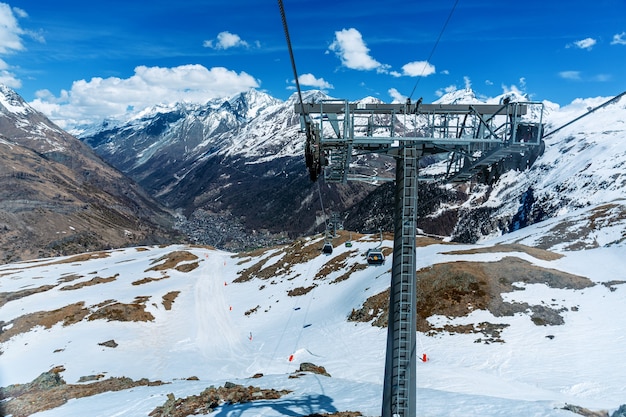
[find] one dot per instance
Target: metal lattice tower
(400, 379)
(476, 136)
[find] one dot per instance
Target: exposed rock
(109, 343)
(620, 412)
(309, 367)
(211, 398)
(90, 378)
(50, 391)
(584, 411)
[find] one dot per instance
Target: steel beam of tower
(476, 136)
(400, 384)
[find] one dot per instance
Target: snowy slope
(582, 167)
(221, 330)
(584, 163)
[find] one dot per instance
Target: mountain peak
(309, 96)
(465, 95)
(11, 102)
(370, 100)
(249, 104)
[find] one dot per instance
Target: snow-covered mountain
(214, 158)
(237, 161)
(169, 141)
(582, 166)
(521, 323)
(58, 197)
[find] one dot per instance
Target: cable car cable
(291, 57)
(606, 103)
(432, 51)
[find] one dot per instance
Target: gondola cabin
(375, 257)
(327, 248)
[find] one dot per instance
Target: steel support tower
(476, 136)
(401, 376)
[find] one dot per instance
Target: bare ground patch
(456, 289)
(67, 315)
(335, 264)
(514, 247)
(300, 291)
(70, 278)
(577, 232)
(49, 391)
(354, 268)
(135, 311)
(5, 297)
(299, 252)
(76, 258)
(168, 299)
(611, 285)
(173, 260)
(109, 310)
(93, 281)
(147, 280)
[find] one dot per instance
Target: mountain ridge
(270, 141)
(59, 197)
(506, 321)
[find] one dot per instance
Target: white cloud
(418, 69)
(354, 54)
(512, 89)
(586, 43)
(397, 97)
(309, 80)
(619, 39)
(570, 75)
(468, 82)
(99, 98)
(10, 31)
(20, 12)
(9, 79)
(226, 40)
(448, 89)
(11, 41)
(602, 78)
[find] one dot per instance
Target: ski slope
(220, 330)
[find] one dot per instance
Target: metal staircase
(401, 378)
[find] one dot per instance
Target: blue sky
(84, 60)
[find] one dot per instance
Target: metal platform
(476, 137)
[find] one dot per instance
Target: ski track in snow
(528, 375)
(216, 332)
